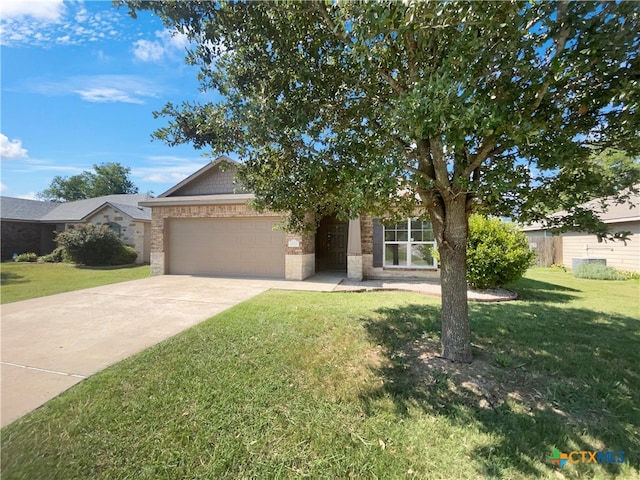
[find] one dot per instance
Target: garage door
(222, 246)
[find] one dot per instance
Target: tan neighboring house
(570, 245)
(30, 226)
(205, 225)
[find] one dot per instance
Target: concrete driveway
(51, 343)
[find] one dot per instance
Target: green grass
(345, 385)
(22, 281)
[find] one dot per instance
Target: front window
(115, 227)
(409, 244)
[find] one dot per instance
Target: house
(22, 229)
(205, 225)
(30, 225)
(570, 245)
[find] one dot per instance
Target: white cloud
(147, 51)
(27, 196)
(3, 187)
(167, 169)
(107, 95)
(176, 39)
(166, 177)
(44, 23)
(10, 149)
(82, 14)
(42, 10)
(31, 165)
(169, 44)
(100, 88)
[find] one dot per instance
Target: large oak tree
(445, 106)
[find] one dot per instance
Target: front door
(331, 245)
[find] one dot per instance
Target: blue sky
(80, 81)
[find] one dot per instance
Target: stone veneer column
(300, 256)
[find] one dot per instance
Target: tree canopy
(437, 107)
(106, 179)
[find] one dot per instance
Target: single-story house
(205, 225)
(569, 245)
(21, 227)
(30, 225)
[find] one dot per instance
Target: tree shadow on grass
(8, 278)
(543, 377)
(535, 290)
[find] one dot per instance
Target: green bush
(125, 256)
(598, 271)
(498, 253)
(26, 257)
(94, 245)
(58, 255)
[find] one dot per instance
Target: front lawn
(22, 281)
(348, 385)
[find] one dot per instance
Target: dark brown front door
(331, 245)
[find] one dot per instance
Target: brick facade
(161, 213)
(20, 237)
(216, 182)
(300, 262)
(366, 234)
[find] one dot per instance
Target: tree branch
(561, 41)
(439, 163)
(322, 9)
(424, 158)
(481, 155)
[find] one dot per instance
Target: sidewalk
(427, 286)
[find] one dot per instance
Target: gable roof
(12, 208)
(80, 210)
(614, 213)
(199, 174)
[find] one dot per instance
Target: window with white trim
(409, 244)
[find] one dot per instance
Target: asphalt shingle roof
(77, 211)
(33, 210)
(12, 208)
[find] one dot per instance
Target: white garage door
(225, 246)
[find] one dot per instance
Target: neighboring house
(205, 226)
(29, 225)
(21, 227)
(570, 245)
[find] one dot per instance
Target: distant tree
(106, 179)
(337, 107)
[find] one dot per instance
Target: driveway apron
(51, 343)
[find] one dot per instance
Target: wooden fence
(548, 250)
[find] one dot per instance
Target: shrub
(497, 253)
(94, 245)
(58, 255)
(26, 257)
(598, 271)
(125, 256)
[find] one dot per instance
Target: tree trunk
(456, 337)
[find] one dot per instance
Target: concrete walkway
(51, 343)
(426, 286)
